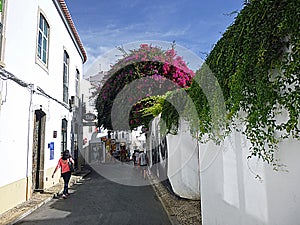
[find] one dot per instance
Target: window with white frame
(66, 77)
(43, 40)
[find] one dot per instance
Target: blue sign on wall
(51, 147)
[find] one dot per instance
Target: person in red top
(65, 170)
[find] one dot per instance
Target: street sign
(90, 123)
(89, 117)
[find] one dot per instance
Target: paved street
(98, 200)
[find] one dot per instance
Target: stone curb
(74, 180)
(31, 210)
(153, 181)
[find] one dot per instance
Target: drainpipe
(31, 86)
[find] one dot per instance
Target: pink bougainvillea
(146, 61)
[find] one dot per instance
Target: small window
(43, 40)
(66, 77)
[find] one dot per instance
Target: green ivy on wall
(257, 65)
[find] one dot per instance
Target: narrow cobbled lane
(98, 200)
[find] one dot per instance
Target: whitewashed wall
(16, 121)
(183, 163)
(181, 166)
(157, 162)
(231, 194)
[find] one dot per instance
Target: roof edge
(68, 17)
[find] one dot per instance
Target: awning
(100, 135)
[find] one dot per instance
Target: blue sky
(195, 25)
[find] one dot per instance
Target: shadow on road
(99, 200)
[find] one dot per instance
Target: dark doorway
(64, 129)
(38, 151)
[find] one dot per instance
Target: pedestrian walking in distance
(143, 162)
(63, 163)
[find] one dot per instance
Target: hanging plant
(257, 66)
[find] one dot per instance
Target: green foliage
(257, 65)
(155, 106)
(172, 109)
(146, 71)
(143, 112)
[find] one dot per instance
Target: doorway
(38, 151)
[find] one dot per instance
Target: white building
(93, 146)
(41, 68)
(89, 127)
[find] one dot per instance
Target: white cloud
(109, 56)
(98, 42)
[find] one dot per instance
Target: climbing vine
(257, 65)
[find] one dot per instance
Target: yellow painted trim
(13, 194)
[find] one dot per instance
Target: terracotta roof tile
(73, 28)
